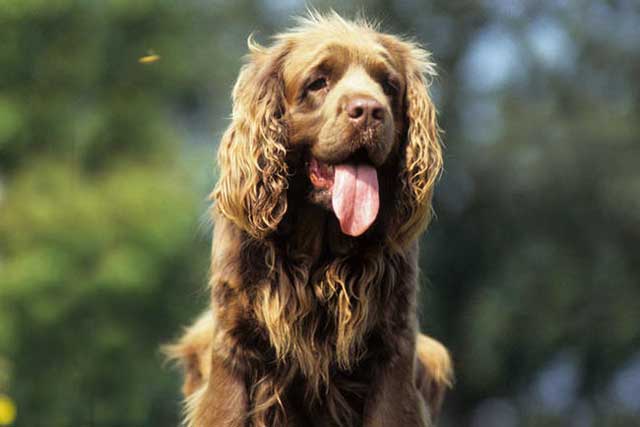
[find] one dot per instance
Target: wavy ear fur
(252, 185)
(421, 155)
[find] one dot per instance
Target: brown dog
(326, 178)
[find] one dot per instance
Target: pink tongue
(355, 197)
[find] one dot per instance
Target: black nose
(365, 111)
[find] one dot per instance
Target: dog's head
(345, 109)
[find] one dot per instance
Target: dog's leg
(192, 352)
(214, 395)
(434, 372)
(221, 402)
(395, 400)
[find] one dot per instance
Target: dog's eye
(389, 87)
(317, 84)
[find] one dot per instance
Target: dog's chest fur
(308, 328)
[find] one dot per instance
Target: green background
(531, 270)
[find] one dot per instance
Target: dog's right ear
(252, 185)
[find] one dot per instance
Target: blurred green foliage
(95, 272)
(531, 269)
(101, 255)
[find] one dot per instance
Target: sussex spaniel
(325, 181)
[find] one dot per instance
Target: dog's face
(352, 102)
(343, 100)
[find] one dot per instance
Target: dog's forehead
(309, 51)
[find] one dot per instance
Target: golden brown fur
(312, 326)
(192, 352)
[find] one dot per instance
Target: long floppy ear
(421, 155)
(252, 184)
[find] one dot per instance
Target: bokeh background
(531, 270)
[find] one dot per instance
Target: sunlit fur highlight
(290, 312)
(316, 317)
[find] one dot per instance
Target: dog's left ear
(421, 151)
(253, 175)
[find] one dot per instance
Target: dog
(326, 176)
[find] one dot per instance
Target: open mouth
(355, 196)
